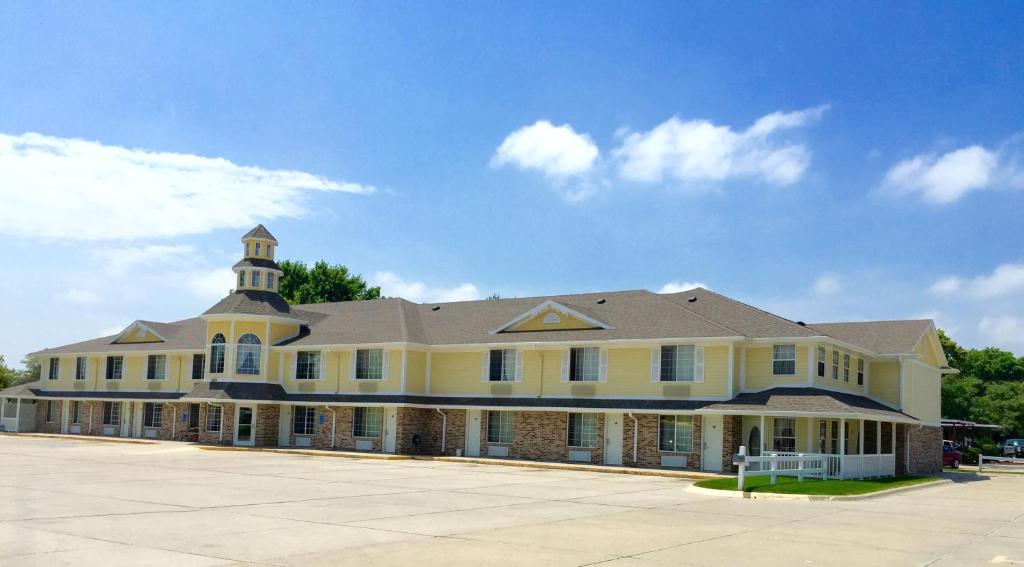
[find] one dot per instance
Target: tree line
(989, 388)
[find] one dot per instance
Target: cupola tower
(257, 270)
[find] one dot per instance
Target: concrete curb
(309, 452)
(83, 437)
(814, 497)
(574, 467)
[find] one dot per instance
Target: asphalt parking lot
(65, 502)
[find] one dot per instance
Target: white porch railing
(816, 465)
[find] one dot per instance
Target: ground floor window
(153, 414)
(582, 430)
(213, 418)
(784, 434)
(675, 433)
(499, 427)
(366, 422)
(76, 412)
(303, 420)
(111, 413)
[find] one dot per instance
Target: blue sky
(826, 162)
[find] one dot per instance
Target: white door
(390, 429)
(245, 426)
(137, 419)
(122, 414)
(613, 438)
(472, 433)
(284, 427)
(711, 447)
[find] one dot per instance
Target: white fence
(815, 465)
(1000, 464)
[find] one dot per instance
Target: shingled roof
(883, 337)
(254, 302)
(260, 232)
(186, 334)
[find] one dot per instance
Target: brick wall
(43, 426)
(925, 450)
(732, 438)
(542, 436)
(648, 455)
(227, 424)
(343, 438)
(267, 420)
(415, 434)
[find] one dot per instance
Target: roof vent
(435, 308)
(692, 299)
(801, 323)
(601, 301)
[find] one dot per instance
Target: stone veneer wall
(925, 450)
(267, 419)
(543, 436)
(227, 423)
(343, 438)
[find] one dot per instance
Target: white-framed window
(213, 418)
(80, 367)
(241, 278)
(257, 253)
(111, 413)
(499, 427)
(307, 365)
(585, 364)
(304, 420)
(76, 412)
(198, 366)
(270, 250)
(860, 371)
(675, 433)
(218, 348)
(784, 360)
(784, 434)
(370, 364)
(682, 363)
(502, 367)
(248, 352)
(49, 411)
(821, 362)
(152, 414)
(54, 371)
(582, 430)
(846, 368)
(835, 364)
(255, 279)
(247, 249)
(115, 367)
(156, 367)
(366, 422)
(270, 280)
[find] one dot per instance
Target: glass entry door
(244, 425)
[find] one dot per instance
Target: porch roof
(26, 390)
(234, 391)
(809, 401)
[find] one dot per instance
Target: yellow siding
(840, 382)
(133, 338)
(759, 369)
(281, 331)
(927, 351)
(335, 377)
(884, 382)
(923, 393)
(537, 323)
(214, 327)
(415, 373)
(457, 372)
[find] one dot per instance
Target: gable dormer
(551, 316)
(138, 332)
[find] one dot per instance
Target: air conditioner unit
(75, 428)
(109, 430)
(303, 441)
(364, 445)
(579, 456)
(673, 461)
(497, 451)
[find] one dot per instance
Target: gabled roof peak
(260, 232)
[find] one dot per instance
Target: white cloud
(391, 285)
(827, 284)
(700, 151)
(119, 260)
(676, 287)
(80, 297)
(92, 191)
(1004, 280)
(211, 284)
(557, 151)
(1004, 330)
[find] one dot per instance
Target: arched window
(217, 347)
(248, 354)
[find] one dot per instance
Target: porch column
(878, 437)
(810, 435)
(860, 438)
(893, 431)
(761, 431)
(842, 448)
(17, 414)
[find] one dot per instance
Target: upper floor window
(198, 367)
(675, 433)
(241, 278)
(846, 368)
(115, 367)
(784, 360)
(270, 250)
(54, 372)
(582, 430)
(585, 364)
(255, 279)
(502, 365)
(366, 422)
(80, 365)
(270, 280)
(499, 427)
(835, 364)
(153, 414)
(369, 364)
(248, 353)
(307, 365)
(682, 363)
(821, 362)
(784, 434)
(247, 249)
(860, 371)
(257, 250)
(304, 420)
(156, 367)
(218, 346)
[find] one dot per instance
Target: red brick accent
(732, 438)
(267, 419)
(543, 436)
(44, 426)
(648, 454)
(925, 450)
(227, 424)
(343, 438)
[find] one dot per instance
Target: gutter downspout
(174, 418)
(636, 431)
(220, 438)
(92, 408)
(334, 423)
(444, 427)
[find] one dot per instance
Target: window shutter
(698, 364)
(656, 364)
(486, 367)
(352, 364)
(145, 374)
(103, 367)
(519, 366)
(323, 365)
(295, 364)
(565, 364)
(385, 370)
(603, 372)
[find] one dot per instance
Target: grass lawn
(790, 485)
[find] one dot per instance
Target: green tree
(959, 394)
(323, 283)
(31, 372)
(954, 352)
(8, 376)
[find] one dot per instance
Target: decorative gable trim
(137, 326)
(545, 306)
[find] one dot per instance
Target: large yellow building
(629, 378)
